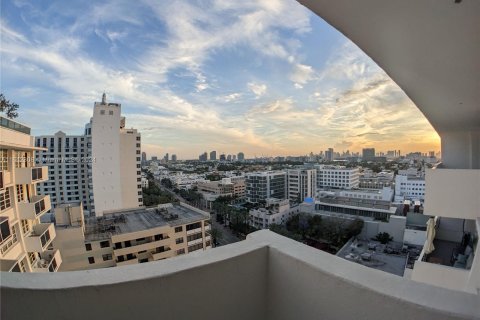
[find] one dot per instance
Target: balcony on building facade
(193, 231)
(451, 264)
(29, 175)
(5, 178)
(266, 276)
(161, 253)
(50, 261)
(142, 246)
(40, 237)
(34, 208)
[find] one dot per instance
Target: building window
(3, 159)
(181, 251)
(179, 240)
(25, 226)
(110, 112)
(104, 244)
(4, 229)
(178, 229)
(20, 195)
(5, 199)
(88, 246)
(107, 257)
(102, 112)
(91, 260)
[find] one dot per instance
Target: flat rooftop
(357, 202)
(138, 219)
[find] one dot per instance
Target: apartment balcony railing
(127, 262)
(196, 241)
(142, 247)
(162, 254)
(50, 261)
(264, 277)
(29, 175)
(40, 237)
(35, 208)
(444, 197)
(193, 231)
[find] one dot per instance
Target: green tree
(383, 237)
(216, 235)
(9, 108)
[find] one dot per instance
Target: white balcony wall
(453, 193)
(264, 277)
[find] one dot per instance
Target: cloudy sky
(266, 77)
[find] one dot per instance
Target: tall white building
(101, 168)
(116, 165)
(301, 184)
(67, 158)
(265, 184)
(25, 242)
(337, 177)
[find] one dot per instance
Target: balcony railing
(280, 279)
(50, 261)
(40, 238)
(37, 206)
(193, 231)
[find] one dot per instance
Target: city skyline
(267, 78)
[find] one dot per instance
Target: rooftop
(133, 220)
(355, 202)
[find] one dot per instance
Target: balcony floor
(443, 252)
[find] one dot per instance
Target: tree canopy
(7, 107)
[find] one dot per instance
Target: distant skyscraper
(229, 157)
(222, 157)
(213, 155)
(166, 158)
(174, 157)
(329, 154)
(203, 157)
(234, 157)
(144, 158)
(368, 154)
(154, 158)
(241, 156)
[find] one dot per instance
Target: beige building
(232, 187)
(129, 236)
(25, 242)
(116, 166)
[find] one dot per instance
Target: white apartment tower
(301, 184)
(25, 242)
(68, 161)
(116, 163)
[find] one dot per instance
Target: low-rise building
(301, 184)
(129, 236)
(276, 211)
(385, 194)
(409, 188)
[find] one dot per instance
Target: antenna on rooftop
(104, 98)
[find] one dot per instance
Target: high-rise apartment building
(174, 157)
(266, 184)
(68, 161)
(301, 184)
(203, 157)
(222, 157)
(241, 156)
(116, 168)
(337, 177)
(144, 158)
(213, 155)
(368, 154)
(25, 242)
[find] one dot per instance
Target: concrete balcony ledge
(37, 206)
(29, 175)
(266, 276)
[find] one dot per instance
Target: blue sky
(264, 77)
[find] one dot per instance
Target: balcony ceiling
(430, 48)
